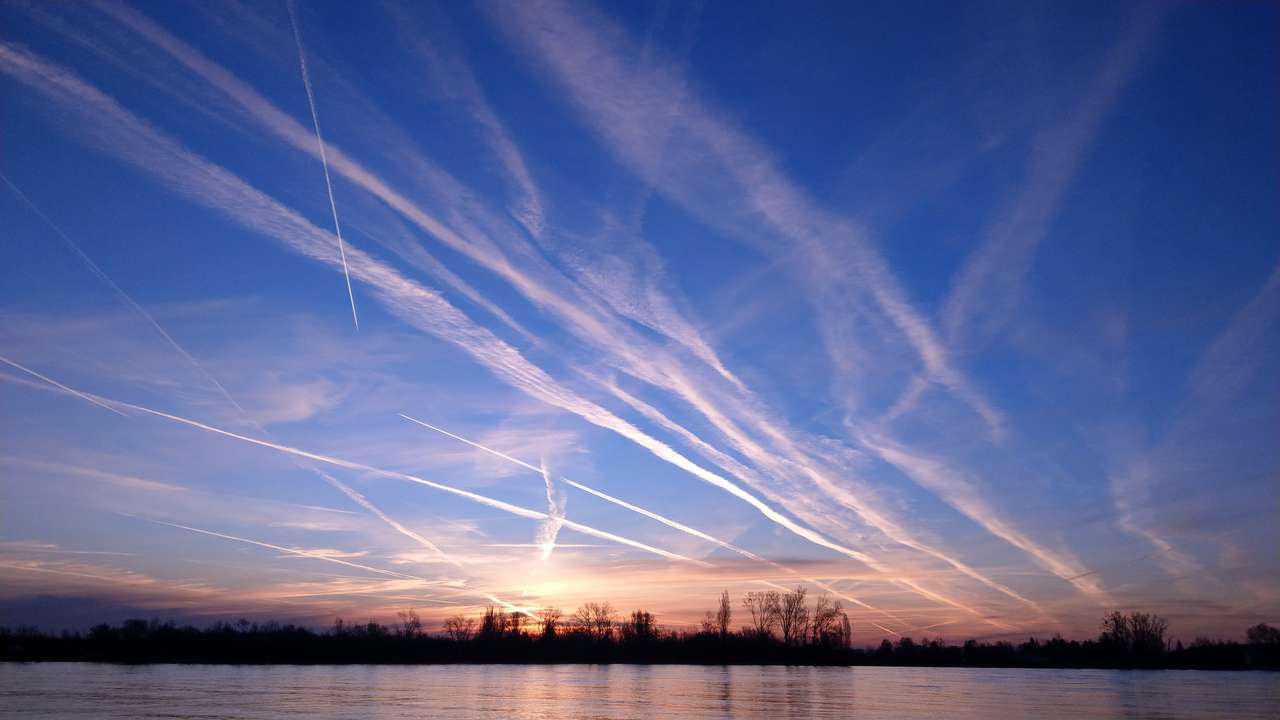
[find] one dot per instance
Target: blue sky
(966, 315)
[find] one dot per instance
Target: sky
(967, 314)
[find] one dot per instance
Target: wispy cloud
(1216, 392)
(495, 354)
(986, 289)
(965, 497)
(630, 107)
(550, 528)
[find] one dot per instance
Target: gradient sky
(967, 313)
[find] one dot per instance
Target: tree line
(776, 628)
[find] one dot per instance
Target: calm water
(74, 690)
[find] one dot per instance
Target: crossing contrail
(55, 383)
(128, 300)
(363, 502)
(660, 518)
(548, 531)
(352, 465)
(324, 159)
(299, 553)
(124, 297)
(475, 592)
(131, 139)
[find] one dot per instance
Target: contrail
(351, 465)
(827, 588)
(884, 628)
(319, 556)
(296, 551)
(363, 502)
(324, 160)
(134, 141)
(128, 300)
(57, 384)
(476, 445)
(660, 518)
(124, 297)
(668, 522)
(548, 531)
(942, 599)
(622, 503)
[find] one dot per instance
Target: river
(233, 692)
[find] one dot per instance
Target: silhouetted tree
(550, 619)
(1116, 632)
(1138, 636)
(640, 628)
(1263, 634)
(494, 623)
(410, 623)
(516, 622)
(595, 619)
(459, 628)
(793, 616)
(1148, 634)
(1128, 640)
(829, 623)
(764, 608)
(1137, 633)
(724, 615)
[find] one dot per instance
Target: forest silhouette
(779, 628)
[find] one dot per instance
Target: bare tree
(708, 623)
(1263, 634)
(459, 628)
(1138, 633)
(596, 619)
(410, 623)
(495, 622)
(1116, 632)
(764, 608)
(550, 621)
(640, 627)
(793, 619)
(825, 628)
(516, 623)
(724, 614)
(1148, 633)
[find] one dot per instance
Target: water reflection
(74, 690)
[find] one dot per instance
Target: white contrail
(728, 546)
(363, 502)
(324, 160)
(884, 628)
(549, 529)
(124, 297)
(351, 465)
(320, 556)
(475, 445)
(827, 588)
(55, 383)
(966, 498)
(128, 300)
(668, 522)
(298, 552)
(118, 132)
(660, 518)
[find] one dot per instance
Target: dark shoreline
(499, 663)
(143, 642)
